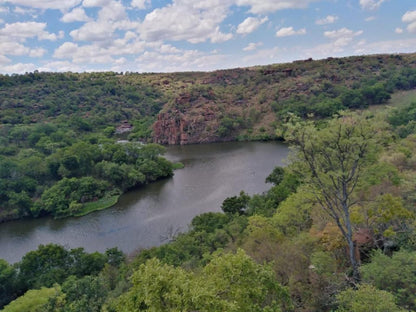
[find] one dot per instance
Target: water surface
(146, 216)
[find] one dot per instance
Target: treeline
(91, 100)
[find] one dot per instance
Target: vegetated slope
(195, 107)
(250, 103)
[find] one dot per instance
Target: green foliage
(235, 204)
(395, 274)
(33, 300)
(58, 199)
(209, 222)
(366, 298)
(404, 119)
(78, 295)
(78, 178)
(51, 264)
(294, 214)
(8, 287)
(230, 282)
(276, 177)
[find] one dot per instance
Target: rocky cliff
(188, 122)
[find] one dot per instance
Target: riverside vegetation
(335, 232)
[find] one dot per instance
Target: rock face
(180, 128)
(188, 122)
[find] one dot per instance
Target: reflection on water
(212, 172)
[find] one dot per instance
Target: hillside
(199, 107)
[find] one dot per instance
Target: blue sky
(192, 35)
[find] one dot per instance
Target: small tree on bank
(332, 160)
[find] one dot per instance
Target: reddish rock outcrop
(189, 120)
(178, 128)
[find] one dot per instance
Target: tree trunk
(351, 249)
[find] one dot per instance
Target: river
(146, 216)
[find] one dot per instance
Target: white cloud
(370, 18)
(95, 3)
(266, 6)
(47, 4)
(252, 46)
(341, 40)
(262, 57)
(330, 19)
(193, 21)
(22, 31)
(60, 66)
(410, 17)
(218, 36)
(398, 30)
(389, 46)
(91, 54)
(112, 11)
(19, 68)
(411, 27)
(4, 60)
(140, 4)
(98, 52)
(93, 31)
(76, 15)
(250, 24)
(24, 11)
(342, 33)
(184, 61)
(13, 48)
(289, 31)
(167, 48)
(38, 52)
(371, 4)
(111, 17)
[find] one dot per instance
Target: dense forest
(335, 232)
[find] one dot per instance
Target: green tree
(230, 282)
(276, 177)
(331, 161)
(366, 299)
(45, 266)
(235, 204)
(395, 274)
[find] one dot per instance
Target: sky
(192, 35)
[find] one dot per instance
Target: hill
(199, 107)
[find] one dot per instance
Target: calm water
(144, 217)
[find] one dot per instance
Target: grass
(178, 165)
(398, 99)
(101, 204)
(402, 98)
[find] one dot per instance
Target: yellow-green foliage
(293, 214)
(367, 298)
(32, 301)
(230, 282)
